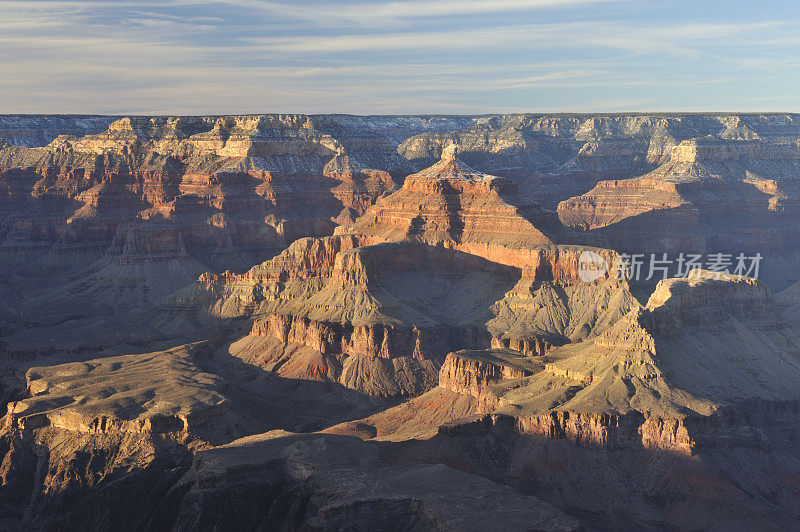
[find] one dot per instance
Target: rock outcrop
(701, 347)
(554, 157)
(382, 317)
(383, 306)
(667, 388)
(230, 190)
(473, 373)
(450, 204)
(373, 312)
(155, 393)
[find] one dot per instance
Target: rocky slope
(699, 345)
(332, 321)
(329, 482)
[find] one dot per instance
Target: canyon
(319, 322)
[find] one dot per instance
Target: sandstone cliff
(382, 317)
(554, 157)
(383, 306)
(451, 204)
(702, 382)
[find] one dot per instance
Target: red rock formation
(473, 373)
(234, 187)
(678, 413)
(450, 204)
(375, 340)
(711, 195)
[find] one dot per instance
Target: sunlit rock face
(452, 205)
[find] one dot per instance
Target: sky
(398, 57)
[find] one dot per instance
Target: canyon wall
(240, 318)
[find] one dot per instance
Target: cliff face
(710, 195)
(668, 388)
(474, 372)
(557, 457)
(707, 299)
(368, 310)
(403, 305)
(372, 292)
(555, 157)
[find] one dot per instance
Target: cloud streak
(609, 34)
(387, 13)
(229, 56)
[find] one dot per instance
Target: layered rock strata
(711, 195)
(231, 190)
(440, 324)
(378, 308)
(700, 348)
(373, 292)
(451, 205)
(473, 372)
(554, 157)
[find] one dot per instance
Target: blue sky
(381, 57)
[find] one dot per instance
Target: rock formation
(704, 370)
(333, 321)
(686, 204)
(449, 204)
(420, 274)
(153, 393)
(224, 191)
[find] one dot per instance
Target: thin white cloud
(335, 12)
(610, 34)
(375, 13)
